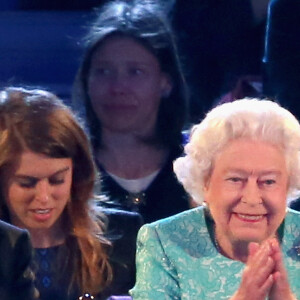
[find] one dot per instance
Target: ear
(205, 188)
(166, 85)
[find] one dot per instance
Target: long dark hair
(146, 24)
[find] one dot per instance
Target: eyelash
(56, 181)
(235, 179)
(268, 182)
(33, 184)
(27, 185)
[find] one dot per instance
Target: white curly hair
(253, 118)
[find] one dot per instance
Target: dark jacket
(16, 279)
(122, 231)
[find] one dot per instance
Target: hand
(280, 289)
(257, 278)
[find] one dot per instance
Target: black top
(163, 198)
(16, 280)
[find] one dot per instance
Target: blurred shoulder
(117, 218)
(10, 232)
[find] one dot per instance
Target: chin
(40, 225)
(250, 237)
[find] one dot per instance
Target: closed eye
(234, 179)
(28, 182)
(56, 181)
(268, 181)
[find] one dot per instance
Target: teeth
(250, 217)
(42, 211)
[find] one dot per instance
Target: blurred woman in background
(131, 86)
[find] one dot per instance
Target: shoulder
(292, 217)
(117, 218)
(291, 233)
(121, 225)
(191, 216)
(11, 234)
(185, 223)
(6, 227)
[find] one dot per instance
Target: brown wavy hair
(38, 121)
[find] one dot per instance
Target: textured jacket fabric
(177, 259)
(16, 279)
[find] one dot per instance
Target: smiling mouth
(41, 211)
(250, 218)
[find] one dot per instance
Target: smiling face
(125, 85)
(246, 192)
(37, 191)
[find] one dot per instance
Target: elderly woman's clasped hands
(264, 274)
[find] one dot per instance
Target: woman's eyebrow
(25, 176)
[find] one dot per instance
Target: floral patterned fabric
(177, 259)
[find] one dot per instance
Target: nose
(42, 192)
(251, 194)
(119, 83)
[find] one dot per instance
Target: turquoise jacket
(177, 259)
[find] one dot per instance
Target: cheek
(64, 192)
(148, 87)
(96, 90)
(16, 199)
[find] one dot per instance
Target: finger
(252, 248)
(267, 285)
(260, 264)
(274, 246)
(265, 271)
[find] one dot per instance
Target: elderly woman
(242, 162)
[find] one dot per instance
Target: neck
(46, 237)
(42, 239)
(237, 250)
(127, 156)
(113, 139)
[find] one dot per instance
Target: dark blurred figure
(16, 279)
(281, 80)
(222, 41)
(282, 54)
